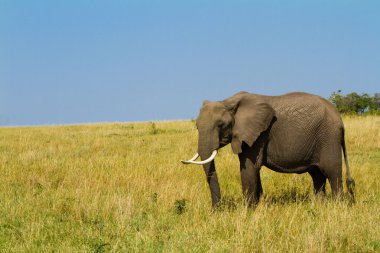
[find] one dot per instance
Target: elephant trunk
(205, 150)
(212, 180)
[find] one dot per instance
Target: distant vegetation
(353, 103)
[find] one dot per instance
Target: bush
(353, 103)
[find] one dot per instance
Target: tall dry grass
(120, 188)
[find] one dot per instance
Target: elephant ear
(251, 119)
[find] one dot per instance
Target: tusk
(192, 160)
(194, 157)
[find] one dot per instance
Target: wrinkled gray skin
(292, 133)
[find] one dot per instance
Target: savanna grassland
(121, 188)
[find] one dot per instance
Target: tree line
(354, 103)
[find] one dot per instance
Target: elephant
(292, 133)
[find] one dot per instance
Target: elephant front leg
(250, 179)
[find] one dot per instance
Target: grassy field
(121, 188)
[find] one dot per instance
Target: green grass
(120, 187)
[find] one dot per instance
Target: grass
(121, 188)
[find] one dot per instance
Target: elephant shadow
(287, 197)
(293, 195)
(230, 203)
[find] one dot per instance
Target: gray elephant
(293, 133)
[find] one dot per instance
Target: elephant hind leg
(331, 166)
(336, 184)
(319, 181)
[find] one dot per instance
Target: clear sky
(94, 61)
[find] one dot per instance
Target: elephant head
(238, 119)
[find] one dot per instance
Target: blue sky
(82, 61)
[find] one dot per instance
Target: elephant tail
(349, 180)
